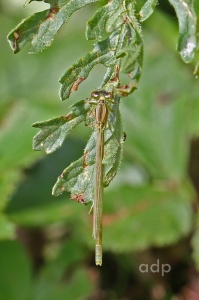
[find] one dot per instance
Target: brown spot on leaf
(77, 83)
(78, 198)
(16, 38)
(116, 77)
(53, 11)
(62, 189)
(125, 89)
(84, 159)
(68, 117)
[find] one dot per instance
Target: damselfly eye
(95, 94)
(107, 95)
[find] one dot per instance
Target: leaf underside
(41, 28)
(187, 41)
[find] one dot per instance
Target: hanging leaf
(103, 53)
(187, 28)
(54, 131)
(41, 28)
(147, 9)
(129, 50)
(106, 19)
(126, 45)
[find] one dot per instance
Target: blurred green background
(150, 209)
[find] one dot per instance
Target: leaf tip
(187, 52)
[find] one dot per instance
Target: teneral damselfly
(101, 115)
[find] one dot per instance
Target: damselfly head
(101, 94)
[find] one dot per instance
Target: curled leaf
(106, 19)
(41, 28)
(147, 9)
(103, 53)
(124, 45)
(54, 131)
(187, 28)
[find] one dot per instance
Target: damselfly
(101, 115)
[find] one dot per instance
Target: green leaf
(152, 216)
(50, 290)
(147, 9)
(187, 28)
(26, 31)
(126, 43)
(54, 131)
(41, 27)
(129, 49)
(15, 271)
(108, 17)
(132, 57)
(7, 229)
(79, 177)
(42, 215)
(53, 282)
(104, 53)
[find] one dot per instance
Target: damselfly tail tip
(98, 263)
(98, 255)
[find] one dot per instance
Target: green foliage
(52, 280)
(147, 9)
(47, 289)
(165, 212)
(15, 273)
(41, 28)
(150, 201)
(18, 283)
(121, 51)
(124, 41)
(78, 177)
(54, 131)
